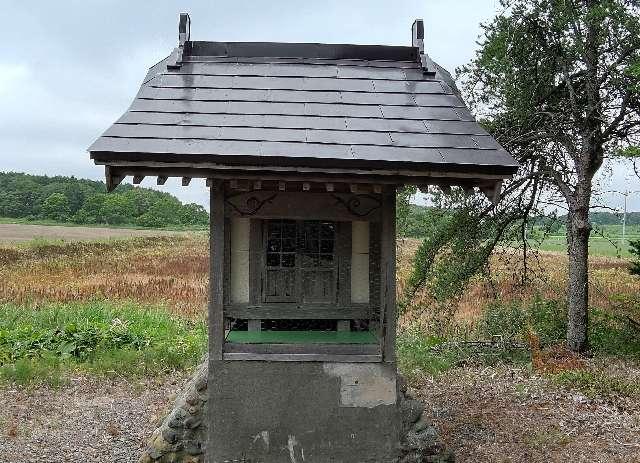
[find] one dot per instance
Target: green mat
(302, 337)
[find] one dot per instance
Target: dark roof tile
(259, 102)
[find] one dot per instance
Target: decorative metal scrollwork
(360, 205)
(252, 204)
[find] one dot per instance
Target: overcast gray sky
(68, 69)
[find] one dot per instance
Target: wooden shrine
(303, 147)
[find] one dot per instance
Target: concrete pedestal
(303, 412)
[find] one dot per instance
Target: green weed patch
(107, 338)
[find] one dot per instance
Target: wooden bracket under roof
(184, 35)
(417, 40)
(113, 179)
(492, 191)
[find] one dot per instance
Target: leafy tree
(161, 213)
(86, 202)
(117, 209)
(93, 210)
(193, 214)
(634, 248)
(56, 207)
(556, 82)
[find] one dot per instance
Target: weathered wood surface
(388, 264)
(300, 311)
(217, 271)
(305, 206)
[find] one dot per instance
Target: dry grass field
(611, 286)
(492, 411)
(173, 270)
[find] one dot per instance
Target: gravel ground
(483, 415)
(89, 420)
(511, 415)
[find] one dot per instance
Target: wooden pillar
(388, 274)
(255, 269)
(343, 254)
(216, 270)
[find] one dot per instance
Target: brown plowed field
(11, 232)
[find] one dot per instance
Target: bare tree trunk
(578, 231)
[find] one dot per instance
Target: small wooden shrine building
(303, 147)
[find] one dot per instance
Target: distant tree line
(73, 200)
(417, 221)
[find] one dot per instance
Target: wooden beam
(178, 169)
(326, 349)
(227, 261)
(388, 276)
(113, 179)
(296, 206)
(240, 184)
(186, 181)
(313, 172)
(343, 255)
(492, 192)
(137, 179)
(254, 325)
(285, 311)
(334, 358)
(375, 275)
(303, 352)
(216, 271)
(255, 264)
(344, 325)
(162, 179)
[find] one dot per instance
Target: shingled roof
(292, 105)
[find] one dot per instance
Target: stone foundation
(181, 438)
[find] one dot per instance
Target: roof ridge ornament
(417, 41)
(184, 35)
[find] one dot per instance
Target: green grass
(46, 344)
(605, 240)
(420, 354)
(598, 246)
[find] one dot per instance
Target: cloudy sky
(68, 69)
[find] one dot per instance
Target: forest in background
(86, 202)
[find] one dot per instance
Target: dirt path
(90, 420)
(10, 232)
